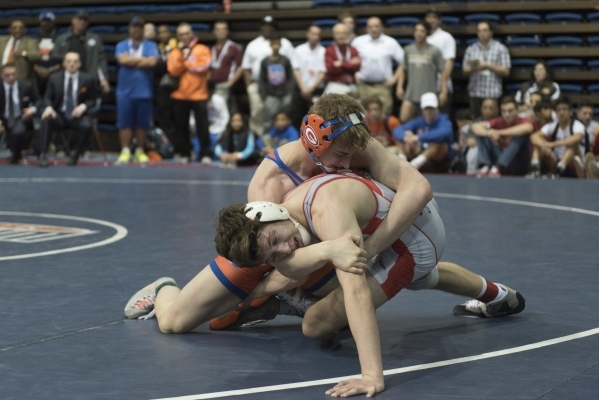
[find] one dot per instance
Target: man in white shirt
(446, 43)
(257, 50)
(377, 52)
(558, 142)
(309, 69)
(218, 113)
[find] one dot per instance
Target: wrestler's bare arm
(413, 192)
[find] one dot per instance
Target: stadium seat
(564, 41)
(326, 43)
(361, 3)
(62, 29)
(523, 42)
(563, 17)
(593, 89)
(448, 20)
(523, 63)
(593, 40)
(569, 88)
(123, 29)
(593, 65)
(565, 64)
(403, 1)
(512, 88)
(405, 41)
(473, 19)
(522, 18)
(444, 1)
(65, 11)
(402, 21)
(204, 7)
(325, 23)
(593, 17)
(200, 27)
(329, 3)
(102, 29)
(596, 112)
(361, 21)
(109, 48)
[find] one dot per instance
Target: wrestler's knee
(173, 321)
(314, 326)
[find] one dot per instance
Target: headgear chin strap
(317, 134)
(267, 211)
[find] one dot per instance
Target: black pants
(82, 126)
(163, 113)
(17, 137)
(181, 109)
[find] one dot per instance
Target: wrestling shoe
(124, 157)
(258, 310)
(511, 303)
(142, 302)
(141, 157)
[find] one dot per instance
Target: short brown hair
(372, 100)
(334, 105)
(345, 14)
(508, 99)
(237, 236)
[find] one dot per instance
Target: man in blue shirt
(134, 90)
(283, 132)
(426, 138)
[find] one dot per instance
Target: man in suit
(18, 102)
(70, 101)
(21, 50)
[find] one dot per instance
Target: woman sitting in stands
(541, 81)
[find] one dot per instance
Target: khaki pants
(223, 90)
(256, 109)
(377, 90)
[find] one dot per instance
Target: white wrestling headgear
(266, 211)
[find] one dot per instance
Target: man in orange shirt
(381, 126)
(190, 62)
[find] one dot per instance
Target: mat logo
(28, 233)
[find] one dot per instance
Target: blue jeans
(514, 159)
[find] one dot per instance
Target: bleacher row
(532, 29)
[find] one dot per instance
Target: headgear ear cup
(317, 134)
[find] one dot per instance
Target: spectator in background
(227, 56)
(446, 43)
(88, 45)
(163, 112)
(467, 153)
(503, 142)
(18, 105)
(541, 81)
(427, 138)
(237, 145)
(46, 64)
(134, 90)
(527, 110)
(557, 142)
(255, 52)
(381, 126)
(276, 83)
(282, 132)
(218, 113)
(348, 19)
(309, 70)
(422, 64)
(70, 101)
(341, 62)
(377, 52)
(486, 62)
(190, 62)
(149, 31)
(584, 113)
(20, 50)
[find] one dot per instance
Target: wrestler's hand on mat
(346, 254)
(367, 385)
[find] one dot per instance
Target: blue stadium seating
(593, 40)
(405, 41)
(123, 29)
(361, 3)
(62, 29)
(102, 29)
(565, 64)
(593, 65)
(568, 88)
(593, 17)
(326, 43)
(564, 41)
(402, 21)
(512, 88)
(593, 89)
(473, 19)
(403, 1)
(200, 27)
(109, 48)
(522, 18)
(523, 42)
(562, 17)
(523, 63)
(444, 1)
(361, 21)
(325, 23)
(596, 112)
(329, 3)
(449, 20)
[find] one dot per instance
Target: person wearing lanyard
(342, 62)
(226, 61)
(134, 91)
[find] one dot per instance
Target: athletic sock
(126, 150)
(490, 292)
(419, 161)
(139, 150)
(561, 167)
(163, 285)
(534, 162)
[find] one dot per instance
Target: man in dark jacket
(18, 101)
(70, 108)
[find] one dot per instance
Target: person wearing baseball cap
(136, 57)
(46, 37)
(88, 45)
(426, 139)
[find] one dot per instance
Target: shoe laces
(145, 302)
(474, 306)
